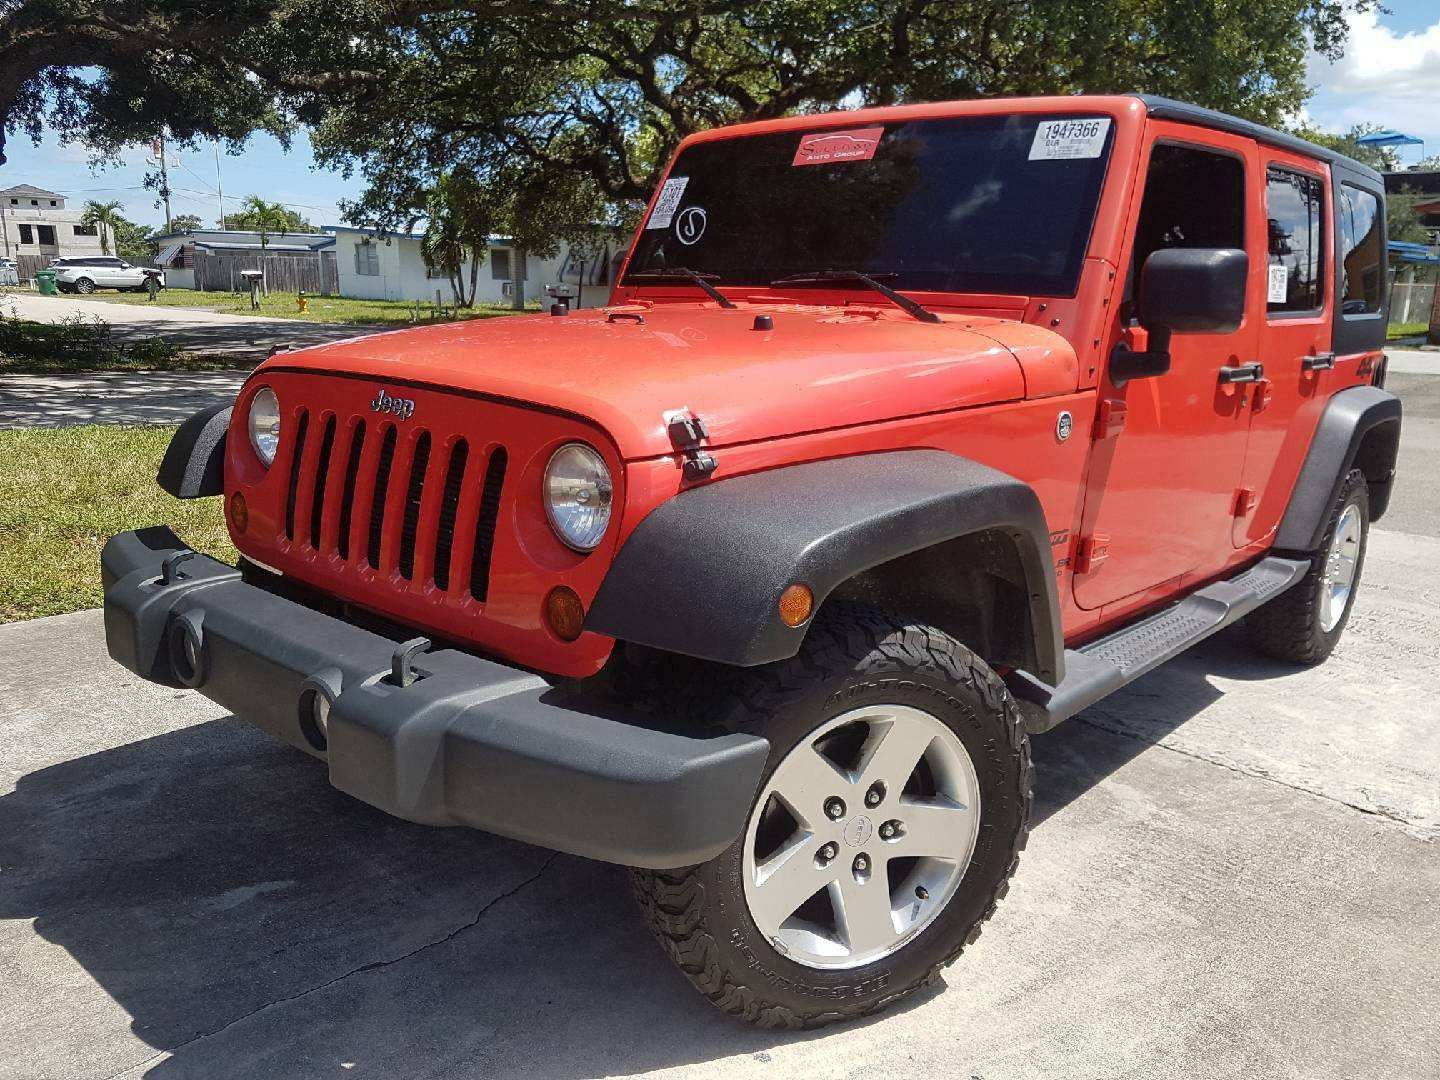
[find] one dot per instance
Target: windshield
(991, 204)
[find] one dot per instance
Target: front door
(1160, 493)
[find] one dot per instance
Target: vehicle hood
(818, 368)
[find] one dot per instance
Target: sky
(265, 168)
(1389, 75)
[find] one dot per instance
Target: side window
(1293, 204)
(1194, 198)
(1362, 251)
(367, 259)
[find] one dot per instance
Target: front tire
(1304, 623)
(889, 820)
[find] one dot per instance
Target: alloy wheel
(1341, 561)
(861, 836)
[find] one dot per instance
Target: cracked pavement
(1234, 871)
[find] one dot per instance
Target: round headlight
(577, 495)
(265, 424)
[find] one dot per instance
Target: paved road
(150, 397)
(1234, 872)
(248, 338)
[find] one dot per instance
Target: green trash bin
(45, 282)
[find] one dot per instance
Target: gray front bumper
(469, 742)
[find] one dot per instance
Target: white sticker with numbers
(1069, 140)
(667, 203)
(1278, 284)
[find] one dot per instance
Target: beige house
(35, 227)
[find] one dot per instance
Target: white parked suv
(85, 274)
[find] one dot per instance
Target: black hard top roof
(1168, 109)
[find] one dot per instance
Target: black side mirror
(1185, 290)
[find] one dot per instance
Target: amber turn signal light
(797, 603)
(239, 513)
(564, 613)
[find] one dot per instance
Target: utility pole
(218, 191)
(164, 177)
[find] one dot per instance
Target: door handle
(1242, 373)
(1319, 362)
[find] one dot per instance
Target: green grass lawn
(1403, 330)
(64, 492)
(329, 309)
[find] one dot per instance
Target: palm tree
(265, 218)
(107, 217)
(460, 215)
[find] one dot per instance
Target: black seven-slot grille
(376, 480)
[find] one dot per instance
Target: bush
(77, 344)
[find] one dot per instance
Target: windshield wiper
(824, 277)
(684, 273)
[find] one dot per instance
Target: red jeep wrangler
(909, 433)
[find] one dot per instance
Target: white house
(35, 223)
(389, 266)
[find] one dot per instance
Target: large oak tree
(574, 106)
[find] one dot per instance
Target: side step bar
(1095, 670)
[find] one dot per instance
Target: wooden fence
(26, 265)
(313, 272)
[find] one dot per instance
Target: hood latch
(686, 432)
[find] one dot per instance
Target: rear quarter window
(1362, 252)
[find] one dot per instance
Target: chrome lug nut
(828, 852)
(887, 831)
(862, 863)
(834, 808)
(876, 795)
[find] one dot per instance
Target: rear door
(111, 272)
(1161, 486)
(1294, 337)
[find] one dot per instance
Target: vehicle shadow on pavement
(1136, 718)
(252, 920)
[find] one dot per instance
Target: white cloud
(1384, 77)
(1377, 60)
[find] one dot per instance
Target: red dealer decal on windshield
(824, 147)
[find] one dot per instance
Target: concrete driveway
(1234, 873)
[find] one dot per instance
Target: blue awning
(1403, 251)
(1389, 138)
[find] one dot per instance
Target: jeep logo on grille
(401, 407)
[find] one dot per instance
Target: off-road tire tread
(672, 901)
(1288, 627)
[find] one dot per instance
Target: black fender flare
(1360, 428)
(702, 573)
(194, 462)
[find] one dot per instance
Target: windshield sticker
(1279, 284)
(1069, 140)
(690, 225)
(827, 147)
(667, 203)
